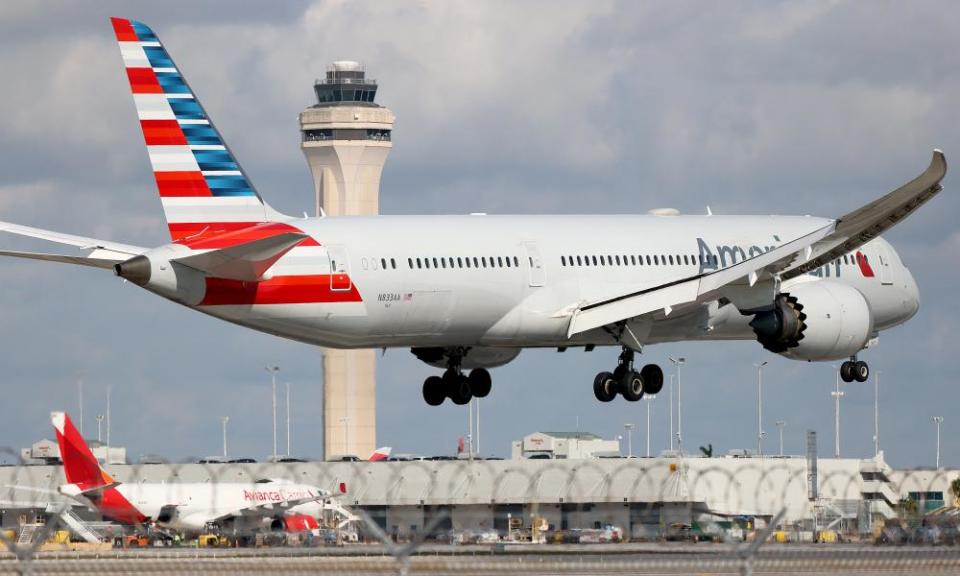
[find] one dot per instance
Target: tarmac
(658, 558)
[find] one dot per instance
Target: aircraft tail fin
(79, 464)
(202, 187)
(380, 454)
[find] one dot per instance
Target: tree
(955, 490)
(708, 451)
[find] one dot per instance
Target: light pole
(649, 400)
(938, 420)
(273, 383)
(288, 418)
(759, 366)
(678, 362)
(223, 421)
(99, 421)
(780, 425)
(671, 412)
(876, 413)
(629, 429)
(837, 394)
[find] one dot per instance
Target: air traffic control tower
(346, 139)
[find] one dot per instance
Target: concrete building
(644, 496)
(346, 138)
(48, 452)
(564, 446)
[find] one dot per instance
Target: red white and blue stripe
(202, 187)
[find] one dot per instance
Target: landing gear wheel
(458, 389)
(433, 391)
(605, 387)
(652, 376)
(631, 386)
(846, 371)
(860, 371)
(480, 382)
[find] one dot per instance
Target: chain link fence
(597, 516)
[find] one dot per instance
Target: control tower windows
(324, 134)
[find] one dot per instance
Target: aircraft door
(339, 269)
(886, 271)
(534, 264)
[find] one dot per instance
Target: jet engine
(294, 523)
(820, 320)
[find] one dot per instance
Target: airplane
(277, 504)
(468, 293)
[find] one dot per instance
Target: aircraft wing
(796, 257)
(856, 228)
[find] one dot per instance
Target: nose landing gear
(455, 385)
(626, 381)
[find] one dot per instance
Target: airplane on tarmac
(279, 505)
(470, 292)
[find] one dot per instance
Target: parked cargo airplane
(469, 292)
(188, 506)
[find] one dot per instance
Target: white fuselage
(191, 505)
(447, 281)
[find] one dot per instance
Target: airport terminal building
(645, 497)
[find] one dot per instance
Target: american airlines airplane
(280, 505)
(468, 293)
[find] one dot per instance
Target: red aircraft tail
(79, 465)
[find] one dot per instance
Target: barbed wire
(490, 515)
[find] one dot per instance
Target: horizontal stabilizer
(246, 262)
(81, 260)
(93, 246)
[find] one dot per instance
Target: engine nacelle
(294, 523)
(820, 320)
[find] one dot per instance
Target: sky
(502, 107)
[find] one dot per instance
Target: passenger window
(603, 262)
(508, 261)
(426, 263)
(633, 260)
(656, 260)
(648, 259)
(483, 261)
(410, 263)
(418, 263)
(475, 263)
(671, 259)
(516, 261)
(579, 261)
(563, 260)
(468, 262)
(499, 262)
(393, 263)
(594, 258)
(617, 258)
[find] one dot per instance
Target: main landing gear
(854, 369)
(624, 380)
(455, 385)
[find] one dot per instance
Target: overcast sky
(502, 107)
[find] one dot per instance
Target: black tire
(433, 391)
(460, 391)
(631, 386)
(846, 371)
(861, 371)
(652, 376)
(480, 382)
(605, 387)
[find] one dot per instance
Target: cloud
(529, 107)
